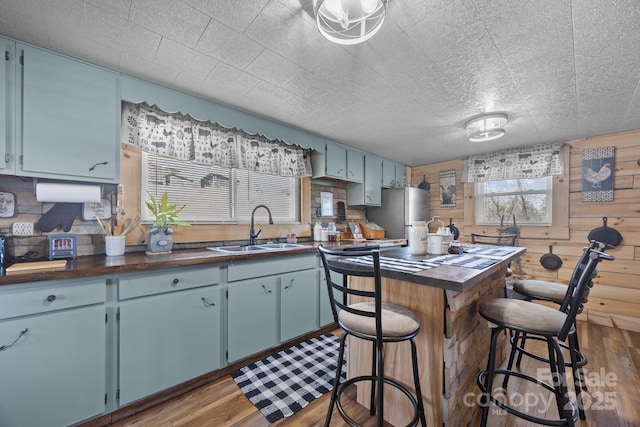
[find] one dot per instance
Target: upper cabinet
(7, 107)
(338, 162)
(355, 165)
(69, 118)
(392, 174)
(368, 193)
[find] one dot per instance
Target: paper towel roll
(67, 193)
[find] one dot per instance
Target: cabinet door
(7, 107)
(70, 118)
(372, 180)
(298, 303)
(326, 315)
(388, 174)
(251, 317)
(369, 193)
(336, 161)
(54, 375)
(355, 165)
(400, 175)
(167, 339)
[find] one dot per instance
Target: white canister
(418, 238)
(434, 244)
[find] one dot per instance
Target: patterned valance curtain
(182, 137)
(526, 162)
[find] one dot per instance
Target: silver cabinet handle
(266, 291)
(11, 344)
(175, 282)
(51, 298)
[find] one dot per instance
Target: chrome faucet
(252, 233)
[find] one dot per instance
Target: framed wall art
(448, 188)
(598, 165)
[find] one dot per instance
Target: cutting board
(25, 267)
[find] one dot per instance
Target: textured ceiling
(560, 69)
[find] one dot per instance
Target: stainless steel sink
(280, 246)
(236, 249)
(266, 247)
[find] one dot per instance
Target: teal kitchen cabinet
(368, 193)
(298, 303)
(69, 121)
(52, 358)
(258, 304)
(332, 163)
(7, 107)
(326, 315)
(388, 173)
(355, 165)
(170, 329)
(392, 174)
(252, 316)
(338, 162)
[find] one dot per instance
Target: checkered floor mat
(286, 382)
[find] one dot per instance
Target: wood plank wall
(615, 299)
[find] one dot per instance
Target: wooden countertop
(446, 277)
(97, 265)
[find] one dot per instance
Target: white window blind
(214, 194)
(530, 200)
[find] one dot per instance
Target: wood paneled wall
(615, 298)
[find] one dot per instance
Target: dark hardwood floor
(613, 373)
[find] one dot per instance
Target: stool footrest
(520, 414)
(397, 385)
(581, 359)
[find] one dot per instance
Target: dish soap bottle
(317, 232)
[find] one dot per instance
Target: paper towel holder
(66, 192)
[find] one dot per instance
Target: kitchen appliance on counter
(399, 208)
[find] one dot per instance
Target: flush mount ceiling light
(487, 127)
(349, 21)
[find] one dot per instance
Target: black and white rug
(286, 382)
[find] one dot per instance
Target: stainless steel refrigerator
(399, 208)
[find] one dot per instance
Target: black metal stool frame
(566, 409)
(577, 359)
(346, 269)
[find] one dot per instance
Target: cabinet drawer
(25, 299)
(167, 280)
(268, 267)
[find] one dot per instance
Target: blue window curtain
(181, 137)
(527, 162)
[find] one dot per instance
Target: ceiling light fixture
(349, 21)
(487, 127)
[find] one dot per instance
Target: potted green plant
(291, 236)
(160, 238)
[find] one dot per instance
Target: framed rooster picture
(598, 166)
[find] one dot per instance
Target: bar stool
(371, 320)
(541, 290)
(548, 324)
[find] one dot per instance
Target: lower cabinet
(52, 355)
(252, 316)
(168, 339)
(298, 303)
(270, 302)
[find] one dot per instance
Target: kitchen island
(453, 340)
